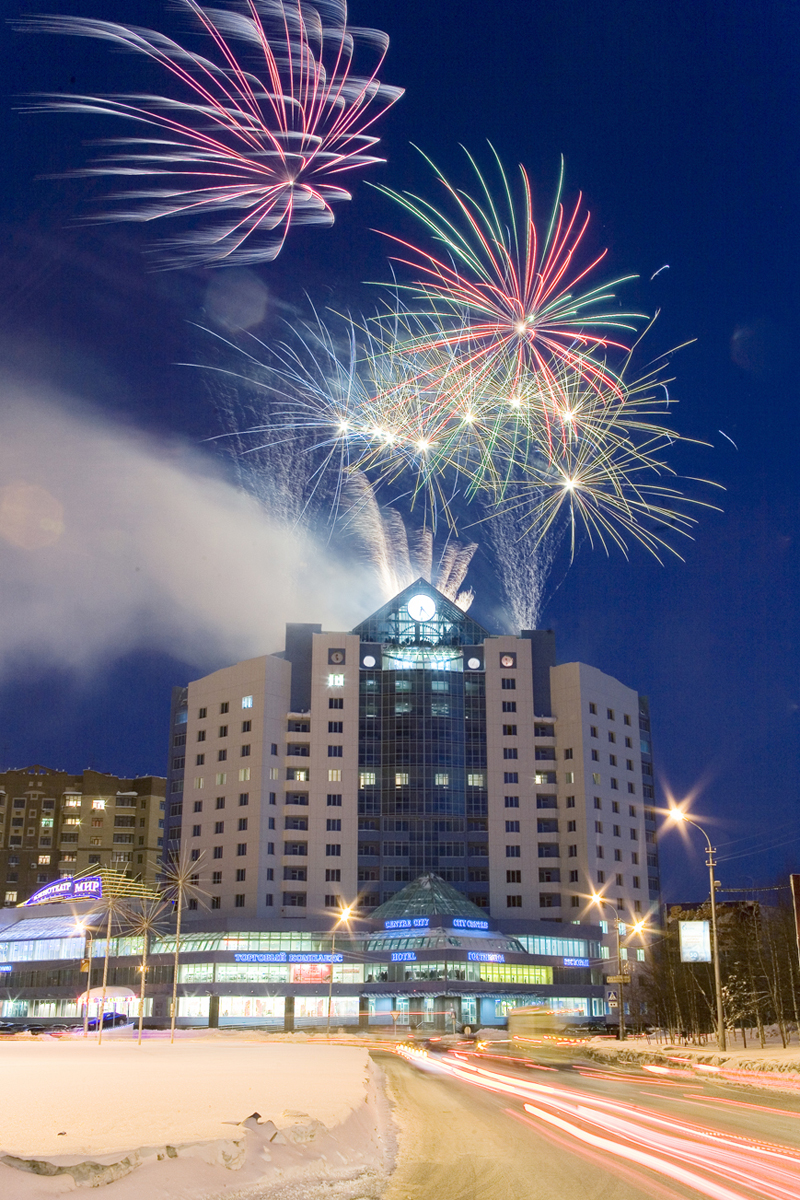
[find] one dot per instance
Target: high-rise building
(54, 824)
(350, 763)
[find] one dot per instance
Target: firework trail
(259, 137)
(513, 294)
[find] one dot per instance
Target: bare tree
(147, 919)
(182, 885)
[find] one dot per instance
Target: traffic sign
(611, 996)
(617, 979)
(613, 1004)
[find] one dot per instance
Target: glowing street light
(87, 954)
(680, 818)
(344, 917)
(600, 900)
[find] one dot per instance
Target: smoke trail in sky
(110, 542)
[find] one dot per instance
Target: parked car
(110, 1020)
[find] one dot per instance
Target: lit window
(273, 772)
(98, 804)
(335, 775)
(475, 780)
(336, 681)
(44, 860)
(198, 782)
(441, 779)
(596, 778)
(247, 701)
(366, 779)
(569, 777)
(401, 779)
(222, 778)
(244, 775)
(11, 897)
(73, 802)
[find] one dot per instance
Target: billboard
(90, 887)
(695, 941)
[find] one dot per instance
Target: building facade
(54, 824)
(350, 763)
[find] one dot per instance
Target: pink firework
(512, 300)
(250, 143)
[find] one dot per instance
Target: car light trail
(714, 1163)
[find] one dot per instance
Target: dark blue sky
(679, 122)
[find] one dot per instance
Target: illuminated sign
(577, 962)
(404, 956)
(462, 923)
(281, 956)
(89, 888)
(408, 923)
(474, 956)
(6, 967)
(695, 941)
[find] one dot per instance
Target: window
(629, 766)
(615, 830)
(513, 901)
(634, 835)
(549, 899)
(595, 756)
(441, 779)
(238, 900)
(570, 801)
(610, 714)
(401, 779)
(201, 714)
(217, 852)
(612, 737)
(547, 825)
(333, 875)
(247, 726)
(508, 684)
(245, 751)
(601, 876)
(593, 731)
(334, 751)
(244, 799)
(336, 681)
(241, 849)
(513, 876)
(598, 803)
(509, 706)
(199, 760)
(215, 902)
(548, 850)
(270, 822)
(615, 806)
(222, 755)
(549, 875)
(636, 881)
(572, 826)
(336, 702)
(619, 881)
(366, 779)
(510, 752)
(11, 897)
(333, 850)
(335, 726)
(629, 745)
(573, 876)
(223, 708)
(242, 824)
(568, 752)
(626, 719)
(270, 850)
(510, 777)
(244, 775)
(335, 775)
(198, 806)
(220, 801)
(475, 780)
(600, 852)
(196, 829)
(216, 878)
(612, 760)
(268, 899)
(334, 800)
(44, 860)
(592, 708)
(634, 858)
(509, 731)
(512, 801)
(572, 851)
(247, 701)
(333, 824)
(194, 855)
(512, 826)
(596, 778)
(513, 852)
(221, 779)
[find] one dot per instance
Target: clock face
(474, 664)
(369, 660)
(421, 608)
(336, 658)
(508, 660)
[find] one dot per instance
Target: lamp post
(599, 900)
(344, 917)
(679, 816)
(87, 954)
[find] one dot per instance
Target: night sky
(679, 123)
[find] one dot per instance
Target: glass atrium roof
(428, 896)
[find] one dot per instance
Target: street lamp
(598, 900)
(87, 954)
(680, 817)
(344, 917)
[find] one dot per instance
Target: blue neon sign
(404, 956)
(407, 923)
(88, 888)
(474, 956)
(6, 967)
(281, 956)
(577, 962)
(462, 923)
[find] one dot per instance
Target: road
(588, 1133)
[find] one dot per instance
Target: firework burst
(512, 299)
(258, 138)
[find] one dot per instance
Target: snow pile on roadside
(175, 1121)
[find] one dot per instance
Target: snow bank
(172, 1121)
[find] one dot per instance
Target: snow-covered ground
(67, 1101)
